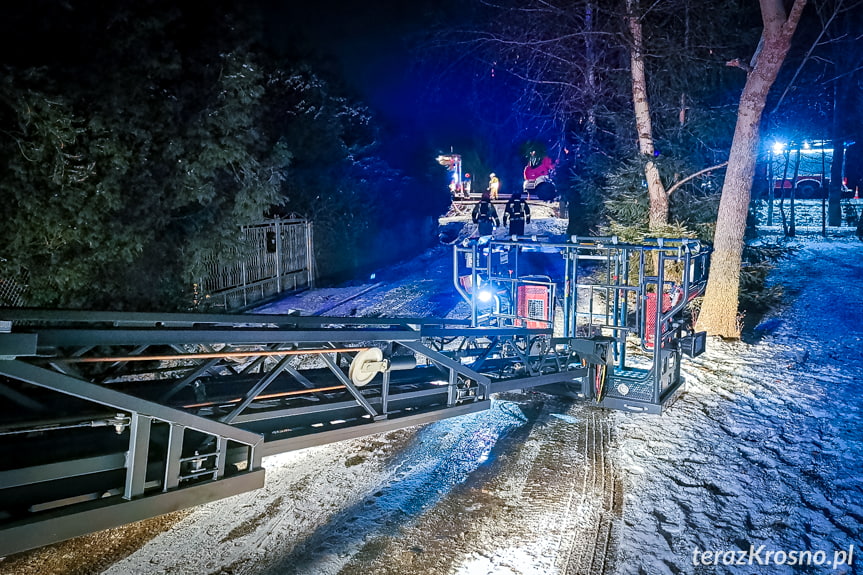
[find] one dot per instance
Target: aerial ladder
(109, 418)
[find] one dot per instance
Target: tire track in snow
(442, 457)
(547, 500)
(561, 497)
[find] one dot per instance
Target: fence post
(278, 255)
(244, 281)
(310, 255)
(771, 188)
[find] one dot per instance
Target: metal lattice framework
(610, 294)
(109, 418)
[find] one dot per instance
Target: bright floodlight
(484, 295)
(778, 147)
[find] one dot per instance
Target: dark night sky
(373, 46)
(370, 45)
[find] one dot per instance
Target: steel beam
(61, 469)
(380, 426)
(41, 377)
(199, 320)
(52, 338)
(136, 458)
(83, 518)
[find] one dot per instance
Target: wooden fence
(277, 256)
(12, 291)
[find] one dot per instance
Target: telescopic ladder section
(109, 418)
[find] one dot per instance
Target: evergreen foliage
(122, 189)
(125, 171)
(756, 296)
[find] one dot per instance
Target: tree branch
(773, 16)
(807, 56)
(738, 63)
(695, 175)
(794, 15)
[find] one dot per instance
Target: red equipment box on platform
(533, 304)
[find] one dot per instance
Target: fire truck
(803, 168)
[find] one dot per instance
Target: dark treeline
(137, 137)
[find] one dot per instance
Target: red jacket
(543, 169)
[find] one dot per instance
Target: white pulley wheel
(365, 366)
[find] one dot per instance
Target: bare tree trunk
(838, 130)
(686, 46)
(658, 197)
(718, 314)
(590, 74)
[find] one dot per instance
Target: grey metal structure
(610, 294)
(109, 417)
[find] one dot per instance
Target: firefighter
(517, 212)
(493, 185)
(485, 215)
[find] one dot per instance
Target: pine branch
(695, 175)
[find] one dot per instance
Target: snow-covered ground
(764, 449)
(761, 452)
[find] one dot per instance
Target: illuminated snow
(763, 448)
